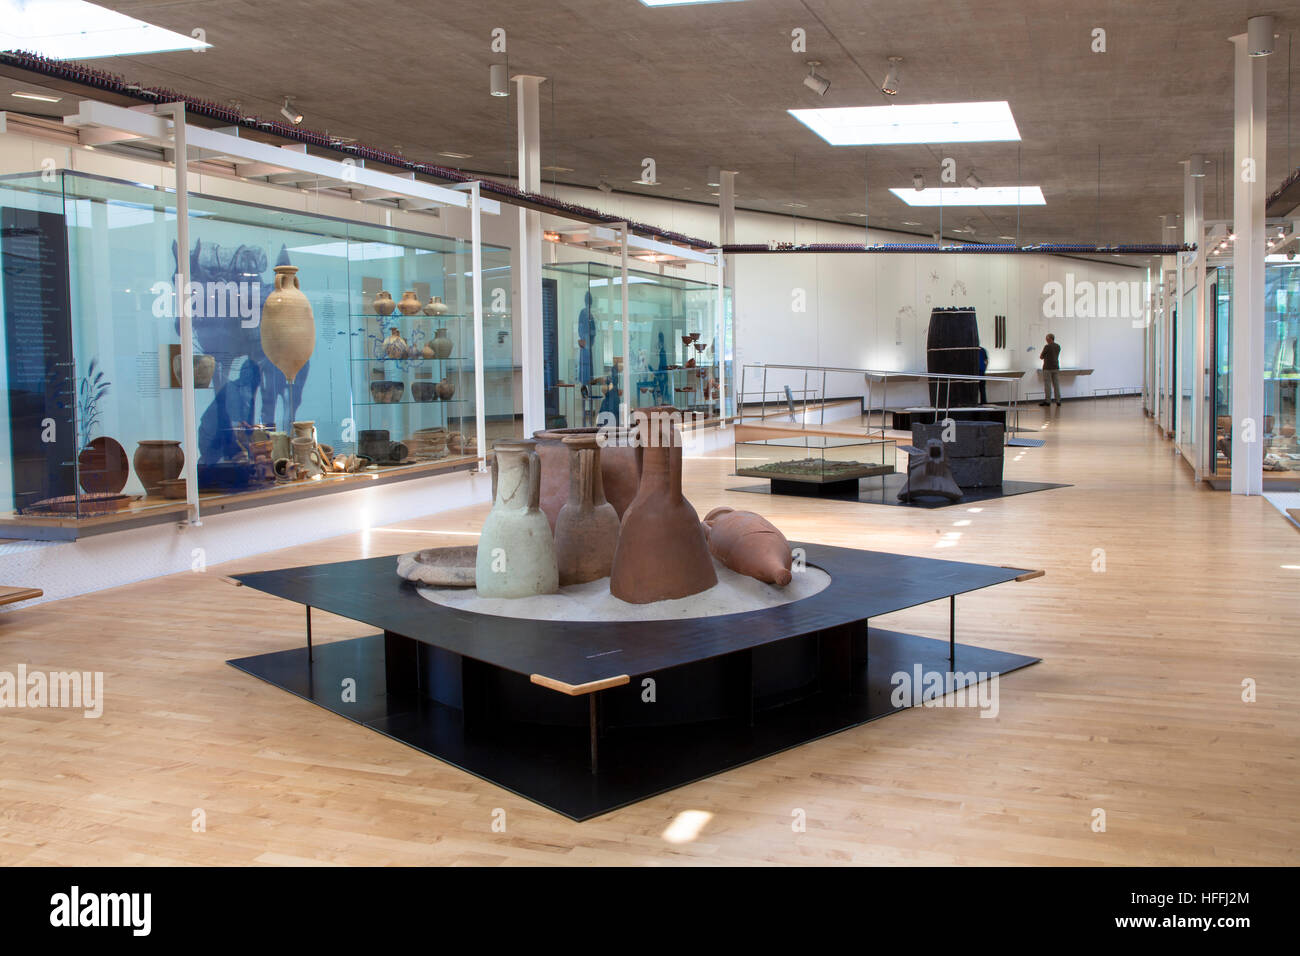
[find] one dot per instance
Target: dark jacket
(1051, 356)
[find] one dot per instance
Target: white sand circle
(733, 594)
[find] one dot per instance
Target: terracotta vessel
(387, 392)
(435, 306)
(441, 344)
(288, 328)
(304, 456)
(662, 552)
(304, 430)
(446, 389)
(409, 305)
(516, 554)
(383, 304)
(429, 351)
(618, 468)
(157, 460)
(423, 391)
(204, 367)
(395, 346)
(586, 532)
(749, 544)
(373, 443)
(102, 467)
(173, 488)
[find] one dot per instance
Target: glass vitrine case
(815, 459)
(93, 392)
(675, 351)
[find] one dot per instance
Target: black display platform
(883, 490)
(558, 712)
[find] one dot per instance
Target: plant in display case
(92, 390)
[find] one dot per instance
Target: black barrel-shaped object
(953, 346)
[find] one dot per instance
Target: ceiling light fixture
(680, 3)
(890, 86)
(946, 123)
(499, 80)
(918, 181)
(289, 113)
(910, 222)
(965, 196)
(973, 181)
(77, 30)
(1259, 36)
(1196, 166)
(604, 186)
(557, 169)
(39, 97)
(450, 155)
(814, 80)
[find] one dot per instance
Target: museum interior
(525, 434)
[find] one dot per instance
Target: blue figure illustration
(663, 384)
(586, 342)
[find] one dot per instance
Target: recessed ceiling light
(965, 196)
(988, 122)
(39, 97)
(74, 29)
(680, 3)
(557, 169)
(910, 222)
(857, 215)
(796, 205)
(450, 155)
(1009, 238)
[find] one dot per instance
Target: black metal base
(884, 491)
(815, 489)
(700, 720)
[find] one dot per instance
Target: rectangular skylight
(965, 196)
(76, 30)
(989, 122)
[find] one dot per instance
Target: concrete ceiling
(701, 85)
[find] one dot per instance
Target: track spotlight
(499, 79)
(1196, 166)
(1259, 36)
(289, 113)
(973, 181)
(814, 80)
(890, 86)
(918, 182)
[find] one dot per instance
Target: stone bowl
(387, 392)
(423, 391)
(440, 567)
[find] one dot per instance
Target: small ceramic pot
(397, 452)
(383, 304)
(442, 344)
(204, 367)
(304, 430)
(395, 346)
(446, 389)
(409, 305)
(157, 460)
(285, 469)
(423, 391)
(373, 443)
(435, 306)
(387, 392)
(173, 488)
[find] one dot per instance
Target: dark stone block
(976, 472)
(972, 439)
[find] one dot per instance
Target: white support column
(480, 389)
(530, 256)
(1193, 232)
(1248, 174)
(720, 340)
(726, 235)
(189, 426)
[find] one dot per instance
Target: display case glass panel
(89, 285)
(815, 459)
(672, 337)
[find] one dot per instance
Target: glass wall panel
(672, 340)
(386, 382)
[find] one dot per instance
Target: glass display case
(814, 460)
(673, 343)
(1280, 446)
(92, 337)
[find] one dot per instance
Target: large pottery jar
(442, 344)
(409, 305)
(749, 544)
(662, 552)
(288, 329)
(618, 468)
(204, 367)
(586, 532)
(435, 306)
(516, 554)
(158, 460)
